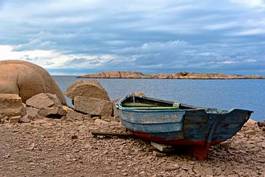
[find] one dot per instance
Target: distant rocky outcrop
(178, 75)
(116, 75)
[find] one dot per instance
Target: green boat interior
(149, 103)
(146, 103)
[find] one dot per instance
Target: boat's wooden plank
(153, 128)
(112, 134)
(153, 117)
(196, 125)
(195, 117)
(162, 147)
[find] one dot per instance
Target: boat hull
(198, 128)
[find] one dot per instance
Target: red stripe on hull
(199, 148)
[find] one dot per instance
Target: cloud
(222, 26)
(251, 3)
(149, 36)
(250, 32)
(51, 59)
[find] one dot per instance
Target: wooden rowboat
(176, 124)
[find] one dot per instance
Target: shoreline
(84, 77)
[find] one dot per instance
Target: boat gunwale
(171, 109)
(121, 108)
(147, 109)
(152, 123)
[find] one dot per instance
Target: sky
(86, 36)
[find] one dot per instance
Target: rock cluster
(41, 105)
(89, 97)
(29, 92)
(179, 75)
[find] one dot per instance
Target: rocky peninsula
(178, 75)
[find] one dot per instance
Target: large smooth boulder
(87, 88)
(26, 80)
(94, 106)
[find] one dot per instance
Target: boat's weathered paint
(226, 125)
(199, 127)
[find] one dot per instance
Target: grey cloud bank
(82, 36)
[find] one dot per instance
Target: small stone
(72, 115)
(24, 119)
(172, 167)
(53, 112)
(250, 132)
(14, 119)
(261, 124)
(159, 154)
(32, 146)
(142, 173)
(6, 156)
(100, 122)
(74, 137)
(125, 174)
(32, 113)
(263, 145)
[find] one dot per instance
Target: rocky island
(178, 75)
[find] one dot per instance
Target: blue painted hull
(183, 126)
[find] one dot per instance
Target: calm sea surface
(224, 94)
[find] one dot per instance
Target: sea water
(224, 94)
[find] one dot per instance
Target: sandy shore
(63, 148)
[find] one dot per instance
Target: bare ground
(64, 148)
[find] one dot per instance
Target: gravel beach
(50, 147)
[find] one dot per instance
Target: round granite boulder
(26, 80)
